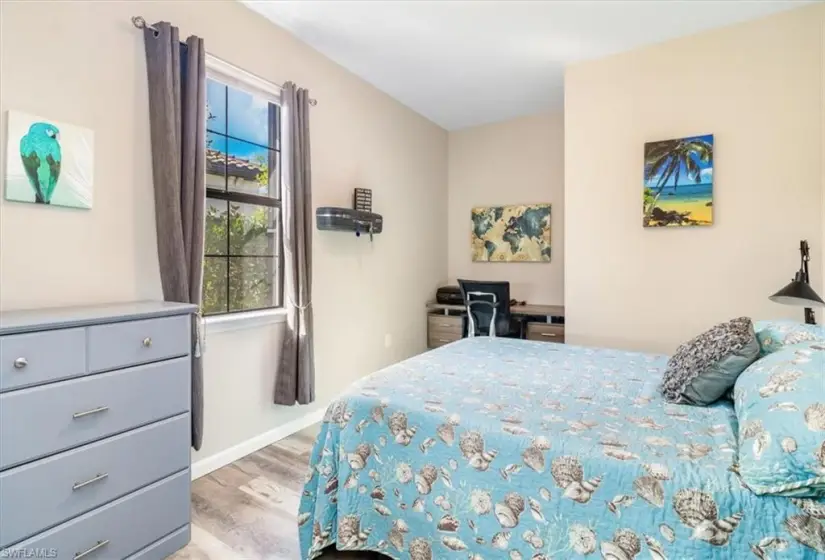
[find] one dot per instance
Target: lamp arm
(810, 317)
(806, 256)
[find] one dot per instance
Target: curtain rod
(140, 23)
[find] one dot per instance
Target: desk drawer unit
(95, 431)
(545, 332)
(434, 340)
(442, 329)
(446, 323)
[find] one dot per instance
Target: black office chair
(488, 309)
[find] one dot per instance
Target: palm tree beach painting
(48, 162)
(678, 182)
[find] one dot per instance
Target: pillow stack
(704, 369)
(780, 405)
(775, 335)
(777, 372)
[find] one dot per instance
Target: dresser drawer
(117, 529)
(50, 491)
(41, 357)
(129, 343)
(165, 547)
(40, 421)
(444, 323)
(545, 332)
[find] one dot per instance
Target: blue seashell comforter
(497, 448)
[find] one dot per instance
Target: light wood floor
(248, 510)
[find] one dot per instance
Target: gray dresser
(95, 431)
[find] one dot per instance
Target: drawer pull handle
(90, 412)
(446, 325)
(443, 340)
(20, 363)
(97, 546)
(147, 342)
(548, 334)
(96, 478)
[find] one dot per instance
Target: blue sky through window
(248, 117)
(245, 150)
(216, 142)
(215, 106)
(239, 114)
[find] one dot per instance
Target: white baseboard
(223, 458)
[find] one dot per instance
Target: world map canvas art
(511, 233)
(48, 162)
(678, 182)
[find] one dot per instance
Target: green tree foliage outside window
(250, 279)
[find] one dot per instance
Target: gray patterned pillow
(703, 369)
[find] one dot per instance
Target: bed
(500, 448)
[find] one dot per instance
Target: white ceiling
(467, 63)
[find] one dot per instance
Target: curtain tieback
(301, 307)
(200, 335)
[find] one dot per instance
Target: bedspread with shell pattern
(497, 448)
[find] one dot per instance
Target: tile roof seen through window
(217, 162)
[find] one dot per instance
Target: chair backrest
(487, 303)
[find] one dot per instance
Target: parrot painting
(40, 152)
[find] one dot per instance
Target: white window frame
(233, 76)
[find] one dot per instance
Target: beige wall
(822, 147)
(520, 161)
(758, 88)
(90, 71)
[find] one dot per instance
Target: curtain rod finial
(140, 23)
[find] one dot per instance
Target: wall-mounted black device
(330, 218)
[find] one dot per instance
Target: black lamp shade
(797, 293)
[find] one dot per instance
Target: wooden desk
(529, 309)
(444, 322)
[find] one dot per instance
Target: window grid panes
(242, 246)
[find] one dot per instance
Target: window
(242, 246)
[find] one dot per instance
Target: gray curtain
(177, 106)
(295, 379)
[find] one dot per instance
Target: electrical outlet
(387, 340)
